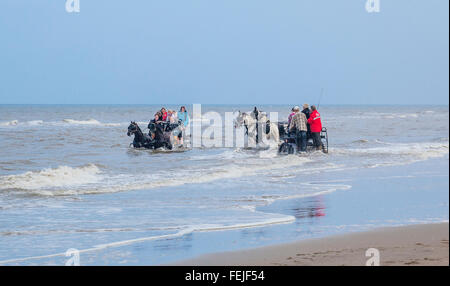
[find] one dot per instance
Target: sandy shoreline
(425, 244)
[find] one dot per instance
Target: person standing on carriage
(290, 116)
(307, 113)
(183, 117)
(316, 127)
(298, 125)
(306, 110)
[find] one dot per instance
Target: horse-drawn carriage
(257, 125)
(160, 135)
(258, 129)
(289, 144)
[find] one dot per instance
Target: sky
(224, 52)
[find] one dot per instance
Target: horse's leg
(275, 132)
(251, 140)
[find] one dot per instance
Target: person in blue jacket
(183, 117)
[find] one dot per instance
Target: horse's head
(240, 119)
(133, 128)
(262, 116)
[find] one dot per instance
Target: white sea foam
(64, 122)
(35, 122)
(66, 180)
(62, 176)
(82, 122)
(361, 141)
(276, 219)
(9, 123)
(381, 115)
(409, 152)
(126, 182)
(88, 179)
(90, 122)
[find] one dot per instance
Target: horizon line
(225, 104)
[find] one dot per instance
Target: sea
(71, 183)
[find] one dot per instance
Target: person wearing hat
(306, 110)
(298, 125)
(307, 113)
(290, 116)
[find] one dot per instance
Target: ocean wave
(25, 123)
(380, 115)
(89, 179)
(420, 151)
(393, 116)
(64, 122)
(35, 122)
(66, 181)
(62, 176)
(275, 219)
(82, 122)
(9, 123)
(88, 122)
(361, 141)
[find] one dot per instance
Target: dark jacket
(157, 128)
(307, 112)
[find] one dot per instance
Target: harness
(256, 112)
(267, 129)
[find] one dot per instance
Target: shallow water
(68, 178)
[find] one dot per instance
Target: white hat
(296, 108)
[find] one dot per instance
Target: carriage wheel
(284, 148)
(292, 149)
(325, 144)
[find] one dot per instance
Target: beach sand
(425, 244)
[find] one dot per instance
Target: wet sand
(418, 245)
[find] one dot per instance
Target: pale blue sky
(224, 51)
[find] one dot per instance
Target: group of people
(305, 124)
(169, 120)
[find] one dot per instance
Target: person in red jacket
(164, 114)
(316, 126)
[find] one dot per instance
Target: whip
(320, 98)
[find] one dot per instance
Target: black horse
(152, 141)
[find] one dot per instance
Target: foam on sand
(278, 219)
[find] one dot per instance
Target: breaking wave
(62, 176)
(82, 122)
(89, 122)
(65, 180)
(89, 179)
(416, 151)
(64, 122)
(380, 115)
(9, 123)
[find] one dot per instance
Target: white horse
(258, 137)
